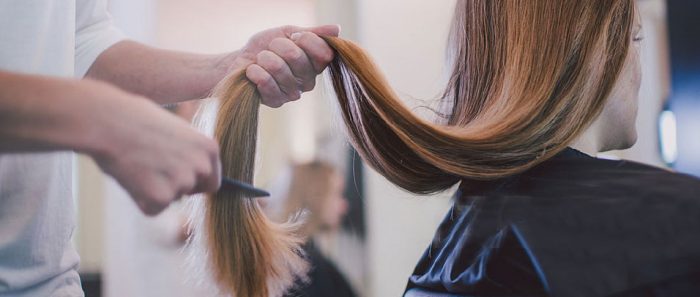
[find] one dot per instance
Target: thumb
(325, 30)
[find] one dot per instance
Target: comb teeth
(248, 190)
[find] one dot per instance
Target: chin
(623, 141)
(628, 141)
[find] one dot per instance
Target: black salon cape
(572, 226)
(324, 278)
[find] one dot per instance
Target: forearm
(39, 113)
(153, 154)
(164, 76)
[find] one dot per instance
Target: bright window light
(667, 136)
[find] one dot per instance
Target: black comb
(248, 190)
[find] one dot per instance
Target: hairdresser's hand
(156, 156)
(284, 62)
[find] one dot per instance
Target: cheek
(620, 113)
(631, 80)
(635, 85)
(636, 75)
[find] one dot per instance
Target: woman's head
(316, 188)
(546, 68)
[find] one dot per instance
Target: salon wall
(684, 30)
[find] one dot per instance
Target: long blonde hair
(527, 78)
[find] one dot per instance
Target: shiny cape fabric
(572, 226)
(324, 277)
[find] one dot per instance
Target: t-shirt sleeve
(94, 33)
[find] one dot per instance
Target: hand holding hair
(284, 62)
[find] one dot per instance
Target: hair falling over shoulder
(527, 78)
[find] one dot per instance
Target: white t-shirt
(50, 37)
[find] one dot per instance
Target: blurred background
(384, 230)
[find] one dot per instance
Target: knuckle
(288, 88)
(267, 83)
(204, 169)
(261, 56)
(290, 52)
(156, 197)
(152, 194)
(163, 198)
(262, 77)
(275, 103)
(162, 195)
(187, 181)
(326, 56)
(212, 160)
(209, 184)
(264, 55)
(293, 54)
(307, 37)
(277, 43)
(149, 208)
(276, 67)
(309, 85)
(253, 71)
(211, 146)
(293, 96)
(271, 63)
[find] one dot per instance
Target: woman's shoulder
(574, 174)
(575, 225)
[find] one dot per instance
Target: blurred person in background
(313, 191)
(70, 82)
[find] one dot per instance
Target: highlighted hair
(527, 78)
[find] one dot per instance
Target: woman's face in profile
(335, 206)
(620, 113)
